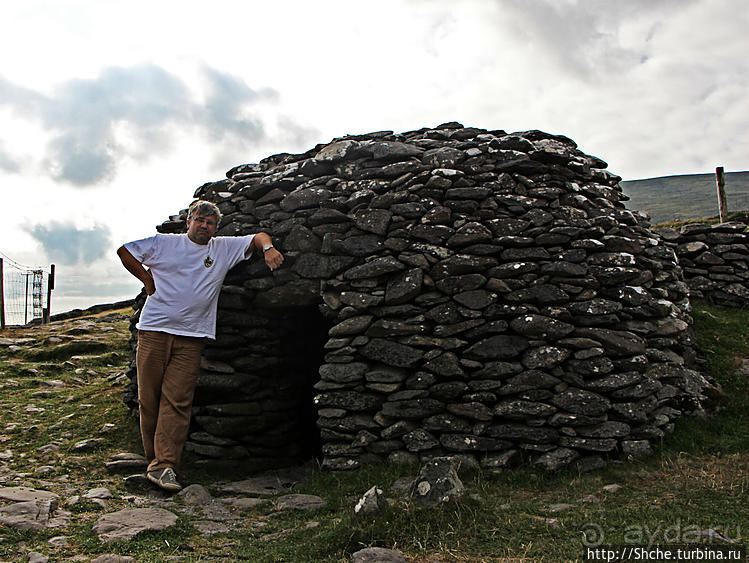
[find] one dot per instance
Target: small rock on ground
(58, 541)
(23, 494)
(29, 515)
(557, 458)
(299, 502)
(377, 555)
(613, 488)
(126, 460)
(127, 523)
(195, 494)
(129, 456)
(437, 483)
(85, 445)
(98, 493)
(371, 503)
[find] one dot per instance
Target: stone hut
(446, 291)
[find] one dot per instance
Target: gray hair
(205, 208)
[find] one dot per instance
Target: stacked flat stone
(715, 260)
(487, 296)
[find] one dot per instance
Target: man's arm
(273, 258)
(136, 268)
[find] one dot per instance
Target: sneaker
(164, 478)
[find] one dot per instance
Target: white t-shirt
(188, 278)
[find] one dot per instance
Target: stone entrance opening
(254, 399)
(302, 348)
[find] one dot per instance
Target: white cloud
(148, 103)
(70, 245)
(7, 161)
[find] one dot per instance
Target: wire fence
(25, 292)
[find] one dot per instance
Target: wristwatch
(267, 247)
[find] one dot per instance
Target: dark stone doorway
(305, 333)
(254, 399)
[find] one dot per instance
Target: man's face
(200, 228)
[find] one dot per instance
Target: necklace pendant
(208, 262)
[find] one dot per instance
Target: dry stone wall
(715, 260)
(446, 291)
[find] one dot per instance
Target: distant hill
(672, 198)
(93, 310)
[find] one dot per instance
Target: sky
(113, 112)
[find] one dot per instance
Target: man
(183, 285)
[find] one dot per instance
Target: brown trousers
(168, 368)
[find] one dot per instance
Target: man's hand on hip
(149, 284)
(133, 266)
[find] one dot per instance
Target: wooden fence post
(720, 179)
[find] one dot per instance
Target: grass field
(698, 480)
